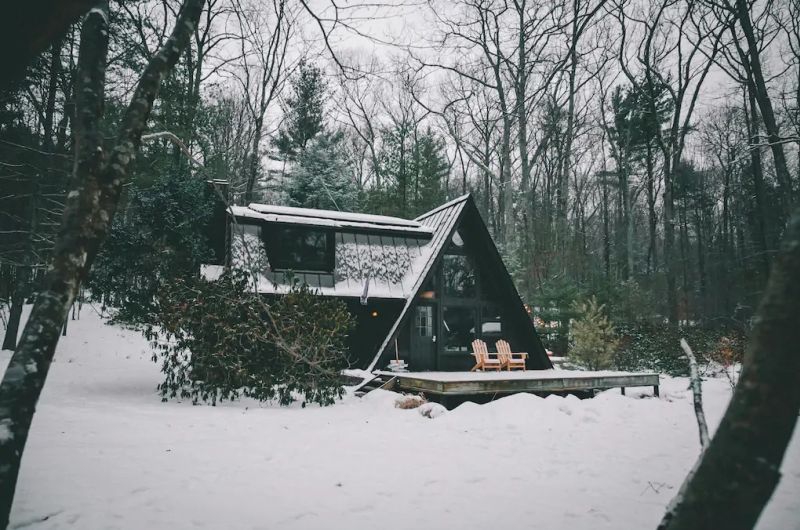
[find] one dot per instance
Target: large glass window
(299, 248)
(491, 327)
(458, 325)
(459, 277)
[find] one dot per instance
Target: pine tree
(305, 112)
(594, 339)
(321, 177)
(431, 170)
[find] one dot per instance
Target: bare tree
(98, 179)
(266, 31)
(676, 44)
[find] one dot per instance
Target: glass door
(423, 339)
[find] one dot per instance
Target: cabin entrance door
(422, 355)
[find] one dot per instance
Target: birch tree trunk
(98, 180)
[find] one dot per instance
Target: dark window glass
(425, 321)
(459, 328)
(300, 249)
(491, 328)
(459, 277)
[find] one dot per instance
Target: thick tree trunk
(504, 196)
(652, 249)
(765, 105)
(669, 243)
(737, 474)
(565, 160)
(761, 229)
(88, 214)
(253, 163)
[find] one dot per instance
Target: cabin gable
(420, 289)
(466, 294)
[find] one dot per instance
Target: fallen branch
(172, 137)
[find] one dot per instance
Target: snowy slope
(104, 452)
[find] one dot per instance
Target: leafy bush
(594, 340)
(218, 340)
(158, 237)
(656, 347)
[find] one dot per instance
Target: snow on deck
(105, 452)
(510, 376)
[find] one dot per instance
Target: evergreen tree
(157, 239)
(305, 112)
(321, 177)
(431, 173)
(594, 339)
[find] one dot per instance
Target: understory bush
(218, 340)
(656, 347)
(159, 236)
(594, 339)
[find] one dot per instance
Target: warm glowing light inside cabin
(374, 314)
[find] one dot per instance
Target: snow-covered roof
(331, 214)
(442, 221)
(384, 257)
(328, 218)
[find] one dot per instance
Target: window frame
(272, 234)
(456, 299)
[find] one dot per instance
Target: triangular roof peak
(444, 206)
(443, 221)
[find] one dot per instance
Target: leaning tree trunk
(737, 474)
(98, 180)
(15, 311)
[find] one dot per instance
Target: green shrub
(218, 340)
(593, 338)
(656, 347)
(158, 237)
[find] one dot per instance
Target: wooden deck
(474, 383)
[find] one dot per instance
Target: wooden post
(622, 390)
(655, 391)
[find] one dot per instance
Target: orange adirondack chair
(482, 359)
(510, 360)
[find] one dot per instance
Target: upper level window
(457, 241)
(299, 248)
(458, 276)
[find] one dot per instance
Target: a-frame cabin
(420, 290)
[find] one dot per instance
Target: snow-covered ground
(106, 453)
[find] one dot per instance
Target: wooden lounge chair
(510, 360)
(482, 359)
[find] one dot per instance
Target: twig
(697, 391)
